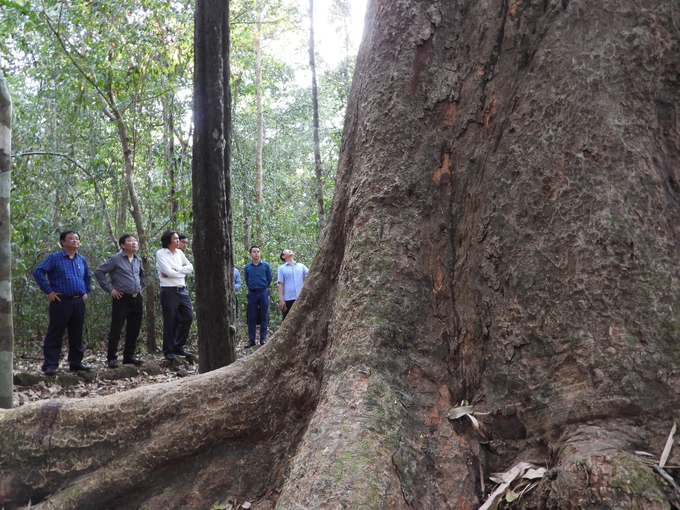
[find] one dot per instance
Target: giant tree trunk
(6, 323)
(504, 230)
(213, 242)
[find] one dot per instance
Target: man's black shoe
(263, 341)
(80, 367)
(183, 352)
(170, 356)
(51, 371)
(132, 361)
(250, 344)
(113, 363)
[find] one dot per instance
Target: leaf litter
(523, 477)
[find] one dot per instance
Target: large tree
(504, 231)
(213, 242)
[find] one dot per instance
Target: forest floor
(30, 384)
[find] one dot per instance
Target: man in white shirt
(172, 268)
(291, 276)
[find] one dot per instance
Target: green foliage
(69, 65)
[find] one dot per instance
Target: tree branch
(100, 92)
(86, 172)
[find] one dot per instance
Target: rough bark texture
(6, 323)
(504, 230)
(211, 177)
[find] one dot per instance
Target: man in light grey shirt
(291, 277)
(125, 282)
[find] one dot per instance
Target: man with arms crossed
(172, 267)
(65, 278)
(183, 242)
(125, 283)
(183, 245)
(258, 277)
(291, 276)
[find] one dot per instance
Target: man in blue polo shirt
(291, 276)
(65, 278)
(258, 277)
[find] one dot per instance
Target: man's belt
(258, 290)
(131, 295)
(175, 288)
(76, 296)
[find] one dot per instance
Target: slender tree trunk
(122, 207)
(318, 170)
(141, 233)
(259, 235)
(55, 210)
(213, 232)
(504, 230)
(168, 119)
(245, 178)
(247, 219)
(6, 324)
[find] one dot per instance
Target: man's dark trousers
(175, 302)
(258, 313)
(65, 315)
(126, 308)
(289, 305)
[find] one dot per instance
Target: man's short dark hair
(124, 237)
(166, 238)
(182, 236)
(63, 235)
(253, 246)
(281, 256)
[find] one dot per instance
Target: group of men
(65, 277)
(258, 277)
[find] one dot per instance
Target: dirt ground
(30, 384)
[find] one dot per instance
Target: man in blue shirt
(125, 282)
(65, 278)
(291, 276)
(258, 277)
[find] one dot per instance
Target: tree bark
(504, 230)
(321, 213)
(213, 229)
(6, 322)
